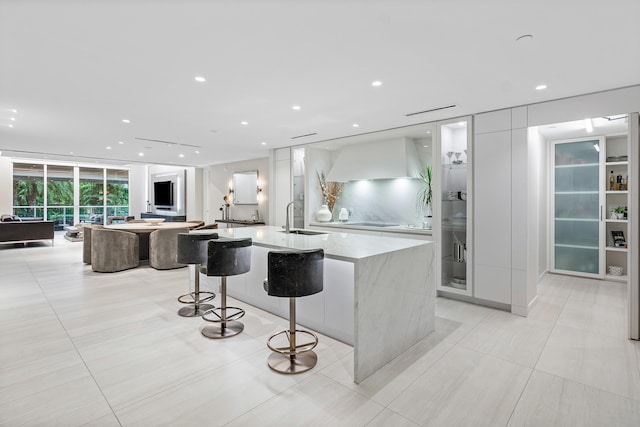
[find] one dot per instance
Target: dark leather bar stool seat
(225, 257)
(192, 249)
(294, 274)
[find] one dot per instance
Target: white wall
(138, 195)
(6, 189)
(216, 186)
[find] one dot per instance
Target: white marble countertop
(389, 229)
(336, 245)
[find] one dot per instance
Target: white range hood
(396, 158)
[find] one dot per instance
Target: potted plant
(423, 201)
(620, 211)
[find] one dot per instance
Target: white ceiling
(75, 69)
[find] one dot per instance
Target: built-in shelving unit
(453, 169)
(616, 195)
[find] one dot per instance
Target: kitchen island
(379, 292)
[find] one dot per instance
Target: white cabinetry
(330, 312)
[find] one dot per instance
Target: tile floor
(83, 348)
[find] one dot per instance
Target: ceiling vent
(303, 136)
(433, 110)
(168, 143)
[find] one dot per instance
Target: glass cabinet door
(454, 174)
(578, 190)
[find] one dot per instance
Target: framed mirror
(245, 188)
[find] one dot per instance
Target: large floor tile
(458, 317)
(316, 401)
(214, 398)
(601, 361)
(506, 336)
(393, 378)
(74, 403)
(597, 318)
(388, 418)
(41, 374)
(465, 388)
(602, 293)
(550, 401)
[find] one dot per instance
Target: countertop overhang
(336, 245)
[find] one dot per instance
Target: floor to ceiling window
(59, 206)
(91, 204)
(72, 194)
(117, 192)
(28, 190)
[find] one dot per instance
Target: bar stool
(293, 275)
(226, 257)
(192, 249)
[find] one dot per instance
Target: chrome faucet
(287, 228)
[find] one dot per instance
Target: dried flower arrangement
(330, 190)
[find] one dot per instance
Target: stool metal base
(194, 310)
(296, 364)
(222, 330)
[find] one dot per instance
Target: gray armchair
(163, 248)
(113, 250)
(86, 241)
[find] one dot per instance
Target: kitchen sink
(304, 232)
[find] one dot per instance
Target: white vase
(324, 214)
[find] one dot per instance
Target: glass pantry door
(578, 191)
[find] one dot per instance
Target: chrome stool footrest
(196, 305)
(223, 325)
(194, 299)
(236, 313)
(298, 348)
(294, 358)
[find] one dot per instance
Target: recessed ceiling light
(180, 155)
(140, 154)
(263, 143)
(13, 110)
(108, 148)
(126, 121)
(296, 107)
(120, 142)
(200, 79)
(197, 152)
(244, 123)
(376, 83)
(355, 125)
(541, 87)
(70, 152)
(425, 146)
(13, 119)
(10, 126)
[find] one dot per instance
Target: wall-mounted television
(163, 194)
